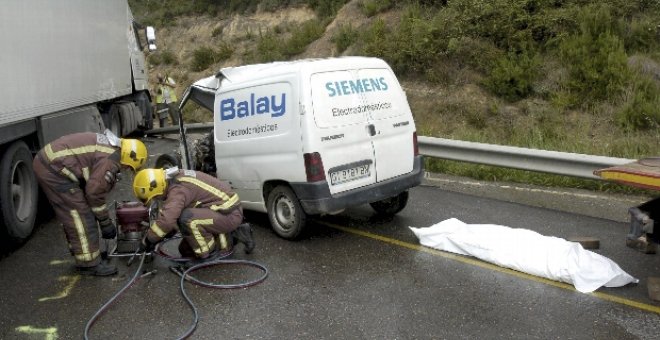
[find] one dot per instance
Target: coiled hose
(185, 276)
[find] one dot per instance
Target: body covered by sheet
(526, 251)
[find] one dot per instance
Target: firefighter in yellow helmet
(204, 209)
(166, 101)
(76, 172)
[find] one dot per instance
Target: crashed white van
(312, 137)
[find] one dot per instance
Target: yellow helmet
(133, 153)
(149, 183)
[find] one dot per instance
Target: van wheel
(18, 193)
(285, 213)
(392, 205)
(166, 161)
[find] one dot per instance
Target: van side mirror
(151, 38)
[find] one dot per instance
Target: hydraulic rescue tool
(132, 223)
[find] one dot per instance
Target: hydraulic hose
(103, 308)
(185, 276)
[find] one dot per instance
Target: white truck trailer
(66, 66)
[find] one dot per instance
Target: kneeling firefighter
(76, 172)
(204, 209)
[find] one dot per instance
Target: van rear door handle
(372, 129)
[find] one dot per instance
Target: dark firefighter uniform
(76, 172)
(204, 209)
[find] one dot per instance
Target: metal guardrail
(192, 128)
(553, 162)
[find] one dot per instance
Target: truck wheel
(18, 193)
(166, 161)
(142, 101)
(112, 120)
(392, 205)
(285, 213)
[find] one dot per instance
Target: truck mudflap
(315, 198)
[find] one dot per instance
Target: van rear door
(341, 133)
(390, 123)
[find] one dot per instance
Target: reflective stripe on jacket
(84, 159)
(192, 189)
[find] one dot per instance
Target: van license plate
(351, 174)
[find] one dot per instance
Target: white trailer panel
(66, 53)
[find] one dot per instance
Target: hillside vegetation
(568, 75)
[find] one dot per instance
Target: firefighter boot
(243, 234)
(101, 269)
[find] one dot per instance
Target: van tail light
(415, 146)
(314, 167)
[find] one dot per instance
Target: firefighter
(166, 101)
(205, 210)
(76, 172)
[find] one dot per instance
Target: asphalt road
(353, 276)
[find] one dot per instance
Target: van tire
(166, 161)
(285, 213)
(392, 205)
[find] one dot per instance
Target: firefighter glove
(108, 229)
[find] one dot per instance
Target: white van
(312, 137)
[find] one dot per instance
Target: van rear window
(390, 102)
(355, 96)
(337, 100)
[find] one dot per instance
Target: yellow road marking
(490, 266)
(50, 333)
(72, 280)
(58, 262)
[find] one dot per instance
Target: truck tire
(18, 193)
(130, 117)
(392, 205)
(142, 101)
(112, 120)
(285, 213)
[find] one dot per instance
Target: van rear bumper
(315, 198)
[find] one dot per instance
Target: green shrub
(301, 36)
(168, 58)
(412, 48)
(217, 31)
(269, 48)
(595, 57)
(373, 7)
(202, 58)
(642, 35)
(513, 76)
(642, 111)
(375, 39)
(154, 59)
(205, 56)
(344, 37)
(224, 51)
(479, 54)
(326, 8)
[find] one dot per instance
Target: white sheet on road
(526, 251)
